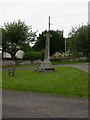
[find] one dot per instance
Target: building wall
(19, 54)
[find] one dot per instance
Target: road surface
(32, 105)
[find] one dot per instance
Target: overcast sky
(64, 13)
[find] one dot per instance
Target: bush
(33, 55)
(56, 60)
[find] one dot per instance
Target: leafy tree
(40, 43)
(56, 42)
(16, 36)
(79, 39)
(89, 41)
(0, 37)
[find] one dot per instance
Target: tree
(89, 41)
(56, 42)
(40, 43)
(78, 41)
(16, 36)
(0, 37)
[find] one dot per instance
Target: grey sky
(63, 13)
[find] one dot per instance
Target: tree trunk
(13, 57)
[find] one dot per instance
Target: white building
(19, 54)
(89, 12)
(6, 55)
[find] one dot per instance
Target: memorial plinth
(46, 65)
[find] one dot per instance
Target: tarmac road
(82, 66)
(37, 105)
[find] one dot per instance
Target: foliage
(0, 37)
(56, 42)
(15, 35)
(33, 55)
(79, 40)
(40, 43)
(26, 48)
(71, 83)
(89, 41)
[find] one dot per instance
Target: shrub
(33, 55)
(56, 60)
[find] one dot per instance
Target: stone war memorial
(46, 65)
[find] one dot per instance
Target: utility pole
(89, 12)
(65, 45)
(49, 24)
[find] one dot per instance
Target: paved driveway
(82, 66)
(32, 105)
(0, 103)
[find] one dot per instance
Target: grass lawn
(0, 79)
(65, 81)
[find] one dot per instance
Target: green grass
(0, 79)
(65, 81)
(21, 66)
(67, 62)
